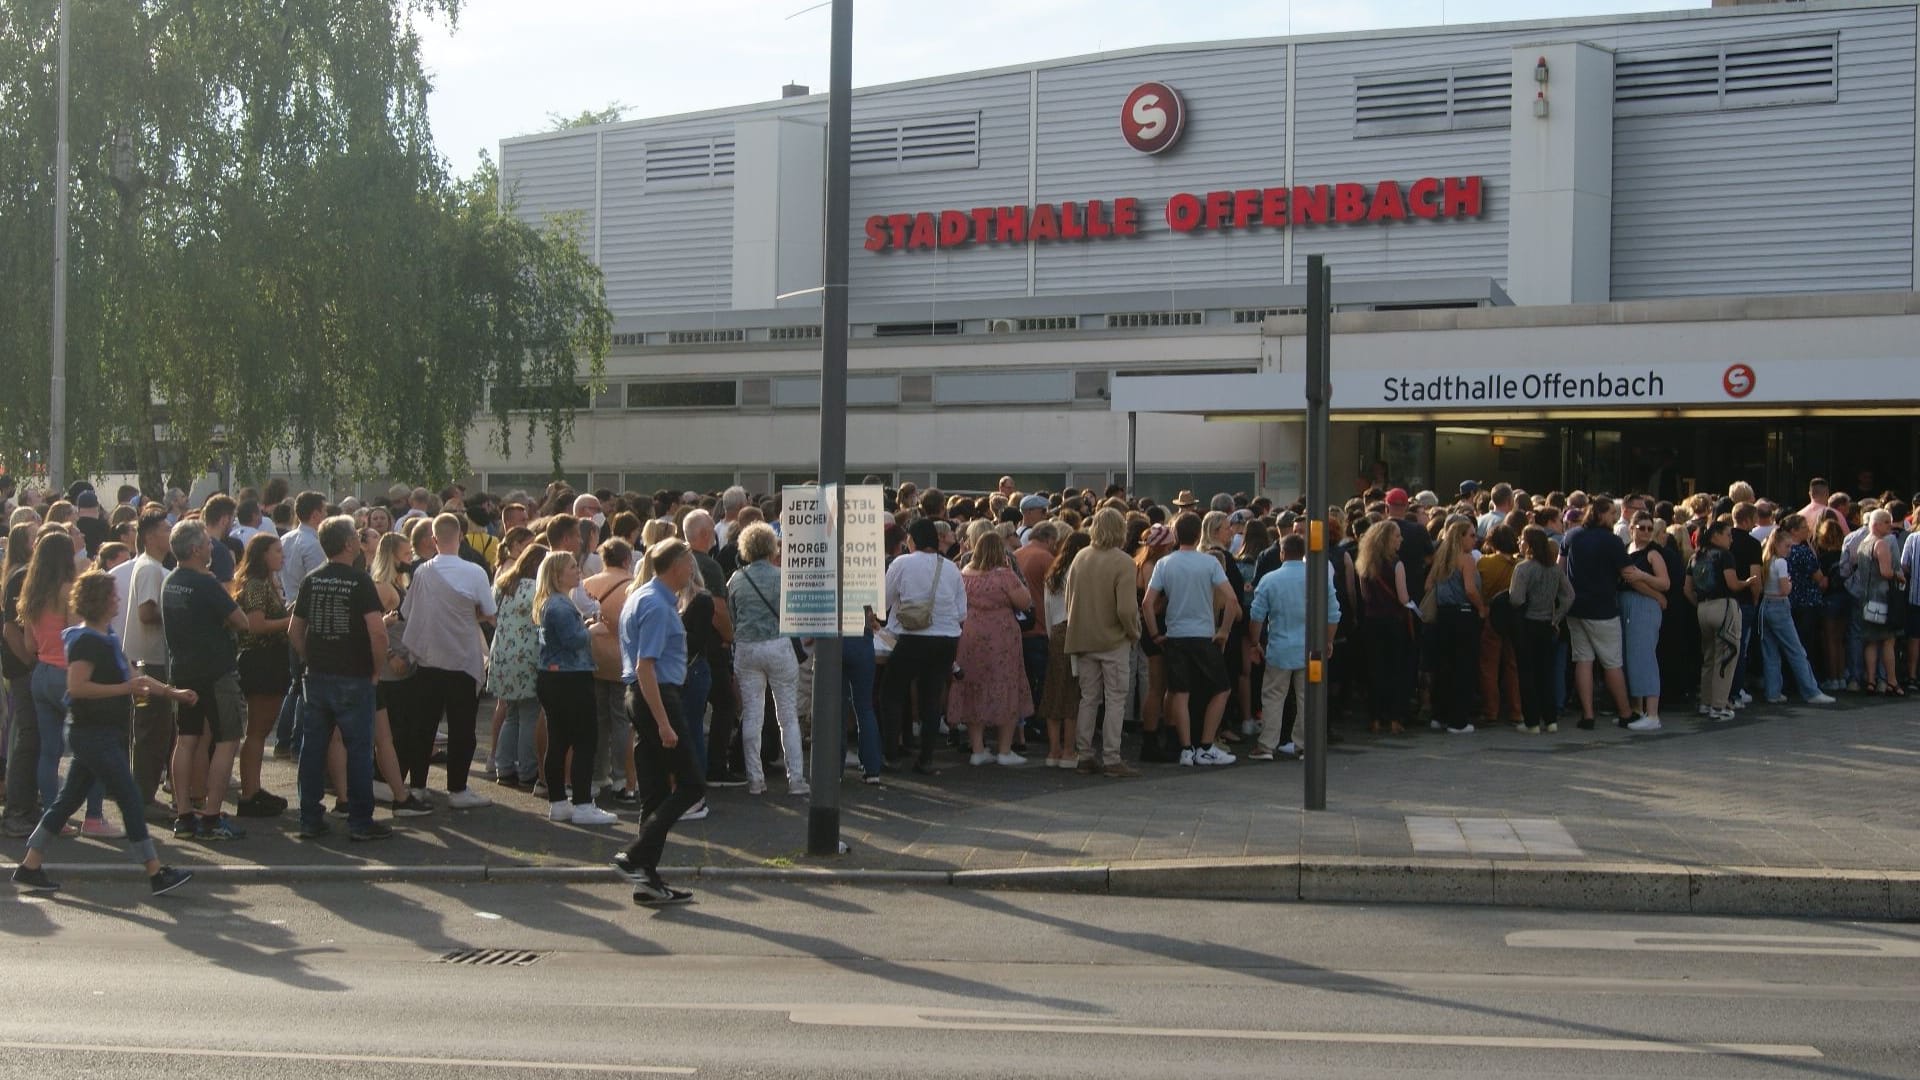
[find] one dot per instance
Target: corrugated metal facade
(1795, 198)
(1804, 197)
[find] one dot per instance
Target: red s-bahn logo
(1152, 117)
(1739, 381)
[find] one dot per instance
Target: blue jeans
(513, 754)
(693, 706)
(1778, 637)
(346, 703)
(857, 670)
(287, 727)
(49, 685)
(1749, 633)
(99, 757)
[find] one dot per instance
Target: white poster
(807, 558)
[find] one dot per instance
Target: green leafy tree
(267, 257)
(615, 112)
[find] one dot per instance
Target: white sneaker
(468, 800)
(1820, 699)
(852, 760)
(1721, 714)
(1067, 763)
(418, 793)
(589, 814)
(1435, 725)
(381, 792)
(1645, 723)
(1009, 758)
(756, 787)
(560, 811)
(1706, 710)
(697, 812)
(1742, 699)
(1186, 756)
(980, 758)
(1213, 755)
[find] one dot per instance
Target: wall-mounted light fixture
(1540, 105)
(1540, 71)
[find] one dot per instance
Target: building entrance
(1666, 458)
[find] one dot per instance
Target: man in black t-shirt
(200, 619)
(23, 751)
(339, 631)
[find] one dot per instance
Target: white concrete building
(1552, 242)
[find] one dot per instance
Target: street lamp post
(57, 398)
(823, 816)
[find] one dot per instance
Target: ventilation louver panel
(689, 162)
(1436, 99)
(917, 144)
(1738, 75)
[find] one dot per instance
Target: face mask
(599, 521)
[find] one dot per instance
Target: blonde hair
(989, 551)
(547, 583)
(1108, 530)
(1211, 524)
(758, 542)
(386, 563)
(1376, 546)
(1453, 544)
(1740, 491)
(653, 532)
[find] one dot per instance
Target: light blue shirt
(1187, 579)
(303, 556)
(650, 628)
(1280, 601)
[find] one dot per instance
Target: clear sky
(511, 62)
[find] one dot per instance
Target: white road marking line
(353, 1059)
(1784, 944)
(937, 1019)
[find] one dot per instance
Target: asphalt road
(344, 980)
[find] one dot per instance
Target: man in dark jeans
(723, 697)
(340, 631)
(922, 658)
(653, 661)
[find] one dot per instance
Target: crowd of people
(630, 645)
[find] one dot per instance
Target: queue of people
(631, 647)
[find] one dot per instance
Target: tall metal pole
(1133, 442)
(829, 696)
(1319, 393)
(57, 398)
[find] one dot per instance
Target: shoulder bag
(918, 614)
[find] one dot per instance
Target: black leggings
(572, 724)
(1535, 652)
(1387, 650)
(1456, 664)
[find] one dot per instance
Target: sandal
(1894, 690)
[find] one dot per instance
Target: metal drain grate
(491, 957)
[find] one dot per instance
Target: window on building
(917, 144)
(963, 483)
(1164, 487)
(1433, 99)
(1004, 388)
(531, 398)
(647, 483)
(711, 394)
(863, 391)
(1736, 75)
(533, 483)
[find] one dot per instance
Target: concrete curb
(1574, 886)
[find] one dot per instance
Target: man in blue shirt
(1201, 609)
(1280, 607)
(301, 555)
(1597, 562)
(653, 664)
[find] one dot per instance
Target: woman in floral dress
(991, 690)
(515, 657)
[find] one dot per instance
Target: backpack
(1705, 573)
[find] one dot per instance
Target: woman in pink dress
(991, 689)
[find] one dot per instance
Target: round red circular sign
(1738, 381)
(1152, 117)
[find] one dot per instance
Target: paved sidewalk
(1780, 787)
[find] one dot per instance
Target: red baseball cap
(1396, 496)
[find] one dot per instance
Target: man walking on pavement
(653, 650)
